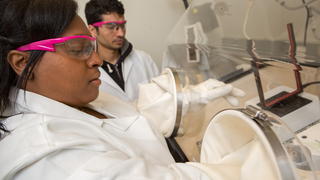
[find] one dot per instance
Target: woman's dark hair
(23, 22)
(96, 8)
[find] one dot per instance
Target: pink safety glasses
(80, 46)
(111, 25)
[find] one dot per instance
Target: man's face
(110, 37)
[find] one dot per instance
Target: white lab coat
(138, 67)
(50, 140)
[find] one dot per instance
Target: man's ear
(18, 60)
(93, 31)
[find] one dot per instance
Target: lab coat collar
(28, 102)
(126, 51)
(122, 125)
(104, 76)
(115, 107)
(127, 67)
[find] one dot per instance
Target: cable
(310, 83)
(297, 7)
(307, 23)
(315, 10)
(245, 22)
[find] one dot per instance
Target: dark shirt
(115, 70)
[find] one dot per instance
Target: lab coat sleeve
(69, 149)
(158, 100)
(90, 158)
(158, 103)
(77, 163)
(115, 165)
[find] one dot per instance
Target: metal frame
(179, 102)
(265, 122)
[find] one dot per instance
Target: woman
(49, 75)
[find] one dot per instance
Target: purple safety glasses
(111, 25)
(80, 46)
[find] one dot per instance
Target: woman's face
(64, 78)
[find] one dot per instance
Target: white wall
(149, 23)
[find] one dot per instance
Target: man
(123, 67)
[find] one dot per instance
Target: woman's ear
(18, 60)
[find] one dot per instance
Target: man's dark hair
(23, 22)
(96, 8)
